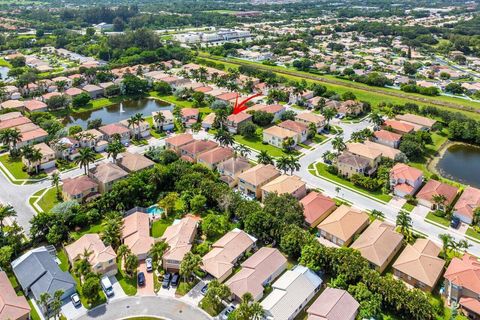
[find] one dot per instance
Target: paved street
(160, 306)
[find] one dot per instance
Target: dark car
(175, 280)
(166, 280)
(204, 289)
(141, 279)
(229, 310)
(455, 223)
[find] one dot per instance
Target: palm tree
(264, 158)
(249, 309)
(224, 137)
(338, 144)
(44, 301)
(288, 144)
(6, 211)
(404, 222)
(447, 241)
(376, 119)
(112, 231)
(283, 163)
(190, 264)
(114, 148)
(85, 157)
(55, 178)
(32, 155)
(159, 117)
(242, 150)
(328, 113)
(312, 130)
(157, 251)
(83, 267)
(220, 119)
(10, 137)
(438, 199)
(139, 119)
(131, 123)
(377, 214)
(293, 164)
(328, 157)
(202, 74)
(57, 303)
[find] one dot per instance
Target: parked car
(204, 289)
(229, 310)
(175, 280)
(166, 280)
(141, 279)
(455, 223)
(75, 300)
(149, 264)
(107, 286)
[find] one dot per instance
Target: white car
(149, 264)
(75, 300)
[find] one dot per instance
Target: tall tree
(224, 137)
(6, 211)
(328, 113)
(264, 158)
(55, 178)
(190, 264)
(114, 148)
(86, 156)
(338, 144)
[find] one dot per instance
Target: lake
(461, 163)
(117, 112)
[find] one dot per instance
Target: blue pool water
(155, 210)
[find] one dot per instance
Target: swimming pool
(155, 210)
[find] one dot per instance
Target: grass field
(96, 228)
(440, 220)
(408, 207)
(129, 285)
(15, 167)
(4, 63)
(472, 233)
(49, 200)
(159, 226)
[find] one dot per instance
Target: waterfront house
(110, 131)
(466, 205)
(405, 180)
(387, 138)
(426, 195)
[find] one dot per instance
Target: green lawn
(257, 144)
(472, 233)
(408, 207)
(322, 170)
(208, 307)
(4, 63)
(129, 285)
(440, 220)
(98, 104)
(33, 313)
(159, 226)
(15, 167)
(184, 287)
(96, 228)
(49, 200)
(62, 256)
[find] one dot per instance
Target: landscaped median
(44, 200)
(320, 170)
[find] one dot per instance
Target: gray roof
(38, 272)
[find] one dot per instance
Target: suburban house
(13, 104)
(333, 304)
(349, 164)
(102, 258)
(398, 127)
(133, 162)
(176, 142)
(462, 284)
(35, 106)
(387, 138)
(93, 90)
(80, 189)
(373, 155)
(252, 180)
(12, 307)
(307, 118)
(189, 116)
(91, 139)
(426, 195)
(424, 122)
(48, 157)
(192, 150)
(342, 225)
(386, 151)
(285, 184)
(379, 244)
(291, 293)
(208, 121)
(225, 253)
(258, 271)
(110, 131)
(276, 135)
(276, 110)
(66, 148)
(168, 122)
(316, 207)
(350, 108)
(405, 179)
(141, 129)
(231, 168)
(299, 128)
(212, 158)
(37, 272)
(106, 174)
(73, 92)
(466, 204)
(136, 233)
(235, 121)
(179, 237)
(419, 265)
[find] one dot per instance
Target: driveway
(117, 289)
(71, 312)
(194, 296)
(149, 288)
(161, 306)
(397, 202)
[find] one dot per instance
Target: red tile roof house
(47, 96)
(13, 104)
(405, 180)
(228, 97)
(299, 128)
(189, 116)
(261, 269)
(136, 234)
(235, 121)
(466, 204)
(93, 90)
(73, 92)
(316, 207)
(35, 105)
(212, 158)
(80, 189)
(111, 130)
(174, 143)
(32, 137)
(12, 307)
(387, 138)
(333, 304)
(398, 126)
(192, 150)
(276, 109)
(462, 284)
(434, 188)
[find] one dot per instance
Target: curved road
(154, 306)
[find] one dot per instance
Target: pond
(4, 73)
(461, 162)
(117, 112)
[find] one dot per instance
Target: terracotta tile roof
(108, 172)
(227, 96)
(387, 135)
(465, 272)
(92, 88)
(310, 117)
(10, 123)
(471, 304)
(34, 134)
(198, 146)
(179, 237)
(113, 128)
(353, 160)
(344, 222)
(133, 162)
(259, 174)
(92, 243)
(190, 112)
(80, 184)
(386, 151)
(399, 126)
(468, 202)
(293, 126)
(203, 89)
(216, 155)
(402, 171)
(364, 150)
(378, 242)
(136, 232)
(421, 262)
(284, 184)
(209, 119)
(333, 304)
(73, 91)
(32, 105)
(11, 306)
(239, 117)
(413, 118)
(180, 139)
(315, 205)
(433, 187)
(12, 104)
(279, 132)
